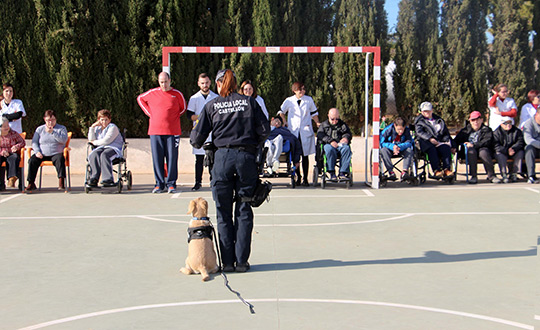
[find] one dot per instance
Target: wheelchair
(120, 170)
(321, 172)
(423, 166)
(286, 165)
(384, 176)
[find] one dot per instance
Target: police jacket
(504, 140)
(388, 138)
(485, 138)
(426, 130)
(328, 133)
(235, 121)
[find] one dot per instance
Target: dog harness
(201, 231)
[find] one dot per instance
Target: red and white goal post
(376, 51)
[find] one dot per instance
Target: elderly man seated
(277, 138)
(336, 136)
(531, 134)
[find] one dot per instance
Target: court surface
(430, 257)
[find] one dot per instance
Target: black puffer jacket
(504, 140)
(425, 131)
(485, 139)
(328, 133)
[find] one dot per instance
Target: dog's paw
(186, 271)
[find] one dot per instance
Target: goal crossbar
(376, 51)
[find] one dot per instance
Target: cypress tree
(418, 56)
(463, 24)
(358, 23)
(511, 57)
(536, 40)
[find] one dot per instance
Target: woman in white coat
(300, 110)
(12, 108)
(529, 109)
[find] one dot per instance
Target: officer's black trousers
(234, 171)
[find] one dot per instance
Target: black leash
(225, 279)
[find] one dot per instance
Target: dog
(201, 257)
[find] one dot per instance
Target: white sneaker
(275, 166)
(269, 170)
(531, 180)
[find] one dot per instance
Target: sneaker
(494, 180)
(473, 180)
(92, 184)
(275, 166)
(333, 177)
(228, 268)
(269, 170)
(505, 179)
(12, 181)
(196, 187)
(108, 184)
(532, 180)
(343, 177)
(392, 176)
(242, 268)
(61, 185)
(171, 190)
(513, 177)
(438, 174)
(156, 190)
(405, 176)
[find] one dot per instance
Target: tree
(357, 23)
(463, 25)
(511, 57)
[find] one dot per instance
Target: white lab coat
(299, 120)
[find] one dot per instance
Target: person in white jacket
(11, 108)
(247, 88)
(529, 109)
(300, 110)
(106, 137)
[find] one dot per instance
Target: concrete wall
(139, 158)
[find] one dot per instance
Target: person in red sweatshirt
(500, 105)
(164, 105)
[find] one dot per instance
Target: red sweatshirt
(164, 110)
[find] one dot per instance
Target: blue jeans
(165, 147)
(332, 154)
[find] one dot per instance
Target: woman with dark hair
(106, 137)
(300, 110)
(12, 108)
(529, 109)
(247, 88)
(238, 128)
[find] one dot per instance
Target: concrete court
(428, 257)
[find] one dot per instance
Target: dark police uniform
(238, 127)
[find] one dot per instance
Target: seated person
(48, 144)
(276, 139)
(435, 140)
(531, 135)
(10, 144)
(106, 137)
(396, 140)
(508, 143)
(478, 138)
(336, 136)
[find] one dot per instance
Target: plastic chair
(50, 163)
(21, 164)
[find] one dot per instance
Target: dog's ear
(192, 206)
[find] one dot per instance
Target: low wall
(139, 159)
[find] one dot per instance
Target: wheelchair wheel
(293, 182)
(86, 189)
(129, 180)
(348, 184)
(315, 176)
(323, 180)
(119, 186)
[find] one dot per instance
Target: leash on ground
(226, 280)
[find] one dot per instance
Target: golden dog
(201, 257)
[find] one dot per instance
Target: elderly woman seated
(106, 137)
(48, 144)
(10, 144)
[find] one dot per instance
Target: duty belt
(248, 148)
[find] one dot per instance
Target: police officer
(238, 128)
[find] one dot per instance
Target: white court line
(537, 317)
(533, 190)
(160, 220)
(285, 300)
(3, 200)
(333, 223)
(176, 195)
